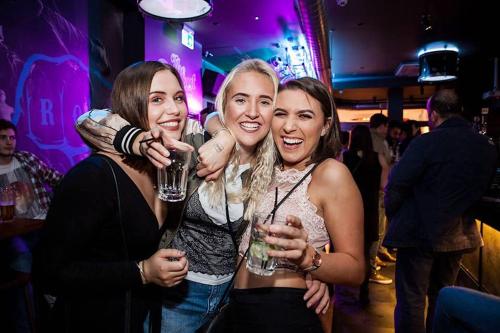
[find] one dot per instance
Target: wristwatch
(316, 262)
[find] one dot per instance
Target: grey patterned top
(208, 246)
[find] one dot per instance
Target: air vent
(407, 70)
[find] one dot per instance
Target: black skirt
(265, 310)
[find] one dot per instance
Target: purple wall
(163, 43)
(44, 72)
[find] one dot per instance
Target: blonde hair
(264, 156)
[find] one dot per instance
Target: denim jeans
(421, 273)
(466, 310)
(189, 306)
(382, 221)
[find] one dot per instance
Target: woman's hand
(155, 145)
(291, 240)
(166, 268)
(317, 295)
(214, 155)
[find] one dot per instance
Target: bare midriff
(281, 279)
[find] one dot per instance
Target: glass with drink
(172, 180)
(7, 203)
(258, 261)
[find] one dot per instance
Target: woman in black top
(366, 170)
(100, 245)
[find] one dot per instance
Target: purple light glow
(47, 78)
(159, 46)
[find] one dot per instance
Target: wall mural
(45, 76)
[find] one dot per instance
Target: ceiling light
(426, 22)
(438, 65)
(438, 61)
(176, 10)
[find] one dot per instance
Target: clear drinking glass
(172, 180)
(7, 203)
(258, 261)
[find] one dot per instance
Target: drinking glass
(172, 180)
(7, 203)
(258, 261)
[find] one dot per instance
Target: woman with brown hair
(318, 199)
(105, 221)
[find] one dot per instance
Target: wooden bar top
(19, 226)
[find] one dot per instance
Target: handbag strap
(229, 226)
(128, 295)
(231, 283)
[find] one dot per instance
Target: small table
(19, 226)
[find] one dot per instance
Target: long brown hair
(329, 144)
(130, 96)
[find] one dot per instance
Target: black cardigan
(81, 258)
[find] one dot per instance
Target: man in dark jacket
(428, 197)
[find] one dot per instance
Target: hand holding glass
(258, 261)
(172, 180)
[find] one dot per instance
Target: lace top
(297, 204)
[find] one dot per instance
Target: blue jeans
(189, 306)
(465, 310)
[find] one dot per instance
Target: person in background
(28, 179)
(245, 101)
(393, 139)
(344, 141)
(378, 130)
(325, 206)
(409, 131)
(366, 169)
(99, 255)
(428, 200)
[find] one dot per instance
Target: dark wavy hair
(329, 145)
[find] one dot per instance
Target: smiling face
(167, 104)
(297, 126)
(249, 108)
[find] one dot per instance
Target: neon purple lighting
(159, 46)
(46, 78)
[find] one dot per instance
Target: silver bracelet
(140, 265)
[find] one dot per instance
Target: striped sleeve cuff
(124, 139)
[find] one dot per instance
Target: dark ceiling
(369, 39)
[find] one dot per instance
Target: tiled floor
(377, 317)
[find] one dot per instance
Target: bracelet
(124, 139)
(140, 265)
